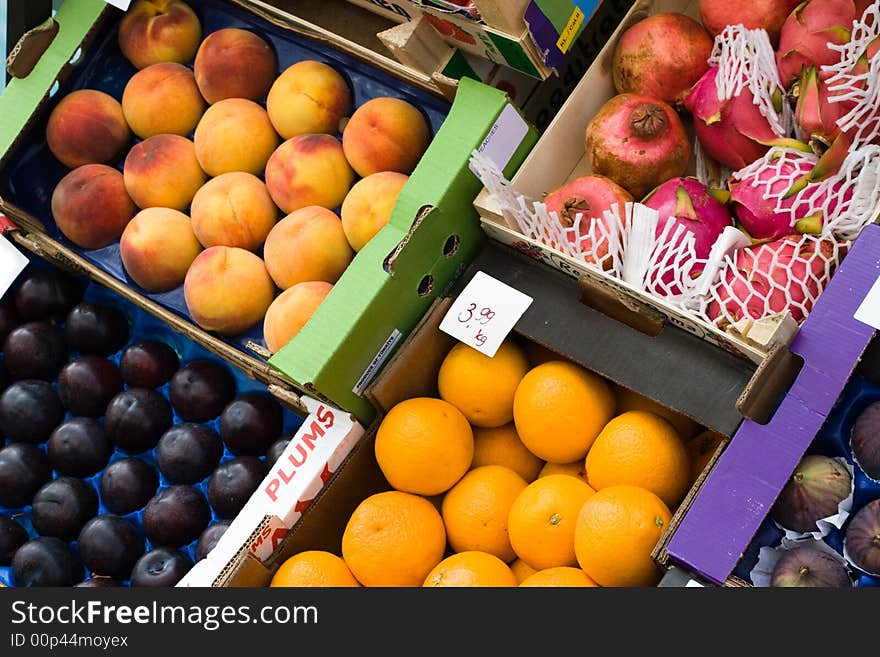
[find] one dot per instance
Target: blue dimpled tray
(144, 326)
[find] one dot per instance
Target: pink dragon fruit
(806, 33)
(787, 274)
(816, 116)
(732, 132)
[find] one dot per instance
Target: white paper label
(12, 262)
(504, 137)
(484, 313)
(692, 583)
(869, 312)
(122, 4)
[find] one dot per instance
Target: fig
(809, 567)
(865, 441)
(817, 485)
(862, 540)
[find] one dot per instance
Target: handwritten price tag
(484, 313)
(12, 262)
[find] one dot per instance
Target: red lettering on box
(272, 489)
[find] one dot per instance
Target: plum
(35, 350)
(276, 449)
(187, 453)
(62, 506)
(9, 318)
(176, 516)
(23, 470)
(865, 441)
(46, 561)
(87, 384)
(29, 411)
(862, 539)
(161, 567)
(148, 364)
(48, 294)
(232, 484)
(210, 537)
(808, 567)
(12, 537)
(127, 485)
(201, 389)
(94, 328)
(110, 546)
(250, 423)
(79, 447)
(815, 488)
(136, 419)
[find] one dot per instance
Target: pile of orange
(516, 475)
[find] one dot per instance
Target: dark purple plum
(35, 350)
(136, 419)
(29, 411)
(127, 485)
(210, 537)
(110, 546)
(62, 506)
(87, 384)
(23, 469)
(232, 484)
(48, 294)
(9, 318)
(148, 364)
(95, 328)
(201, 389)
(79, 447)
(187, 453)
(865, 441)
(12, 537)
(46, 561)
(250, 423)
(98, 582)
(161, 567)
(176, 516)
(276, 449)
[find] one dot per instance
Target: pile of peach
(222, 151)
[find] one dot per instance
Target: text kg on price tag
(484, 313)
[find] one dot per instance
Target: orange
(313, 568)
(542, 520)
(471, 569)
(562, 576)
(424, 446)
(559, 409)
(639, 448)
(502, 446)
(617, 529)
(521, 570)
(393, 539)
(475, 511)
(481, 387)
(701, 450)
(574, 469)
(627, 400)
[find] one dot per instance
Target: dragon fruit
(786, 274)
(816, 116)
(806, 33)
(752, 14)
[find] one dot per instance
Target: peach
(290, 312)
(368, 206)
(91, 206)
(308, 97)
(157, 247)
(234, 63)
(385, 134)
(227, 290)
(162, 99)
(308, 170)
(235, 134)
(163, 171)
(307, 245)
(233, 209)
(154, 31)
(87, 127)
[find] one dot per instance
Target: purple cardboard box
(751, 472)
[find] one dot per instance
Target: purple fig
(809, 567)
(862, 540)
(817, 485)
(865, 441)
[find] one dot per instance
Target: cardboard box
(432, 234)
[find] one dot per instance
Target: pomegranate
(638, 142)
(661, 56)
(752, 14)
